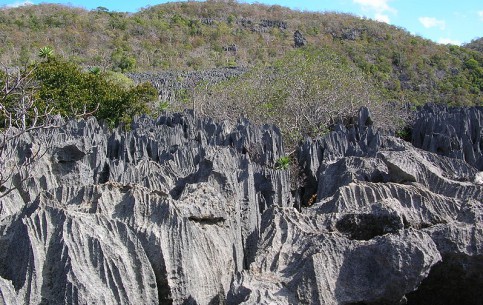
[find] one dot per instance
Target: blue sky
(443, 21)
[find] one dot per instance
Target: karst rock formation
(186, 210)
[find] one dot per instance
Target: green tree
(71, 91)
(102, 9)
(302, 93)
(122, 61)
(95, 70)
(46, 52)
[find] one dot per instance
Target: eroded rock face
(390, 222)
(190, 211)
(167, 213)
(304, 262)
(451, 131)
(169, 82)
(299, 39)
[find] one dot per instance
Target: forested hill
(214, 34)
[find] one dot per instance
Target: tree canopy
(61, 87)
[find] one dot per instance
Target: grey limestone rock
(302, 262)
(381, 205)
(186, 210)
(451, 131)
(168, 212)
(299, 39)
(168, 83)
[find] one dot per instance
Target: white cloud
(431, 22)
(480, 14)
(449, 41)
(382, 18)
(379, 6)
(18, 4)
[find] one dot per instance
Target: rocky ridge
(451, 131)
(183, 210)
(172, 83)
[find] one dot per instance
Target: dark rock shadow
(457, 279)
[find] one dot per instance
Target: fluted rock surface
(451, 131)
(386, 223)
(304, 262)
(182, 210)
(168, 212)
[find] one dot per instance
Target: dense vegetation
(54, 86)
(112, 96)
(348, 61)
(475, 44)
(316, 78)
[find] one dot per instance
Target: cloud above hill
(376, 5)
(382, 18)
(431, 22)
(379, 7)
(18, 4)
(449, 41)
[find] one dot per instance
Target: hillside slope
(193, 36)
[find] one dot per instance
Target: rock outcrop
(168, 212)
(388, 219)
(181, 210)
(299, 39)
(451, 131)
(171, 84)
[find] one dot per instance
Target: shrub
(283, 163)
(113, 97)
(300, 93)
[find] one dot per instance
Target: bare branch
(20, 114)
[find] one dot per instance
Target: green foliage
(102, 9)
(162, 106)
(95, 70)
(24, 57)
(300, 93)
(193, 36)
(283, 163)
(472, 64)
(122, 61)
(118, 79)
(46, 52)
(112, 97)
(182, 96)
(231, 19)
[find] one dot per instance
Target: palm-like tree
(95, 70)
(46, 52)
